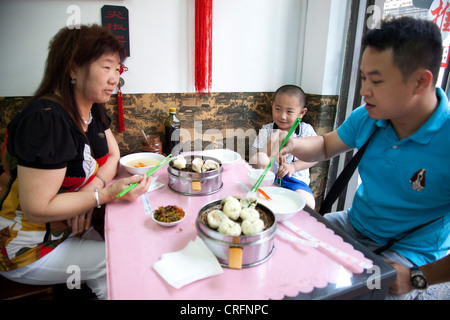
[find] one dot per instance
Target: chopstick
(326, 246)
(160, 164)
(296, 239)
(265, 195)
(261, 177)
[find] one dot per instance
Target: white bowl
(254, 174)
(168, 224)
(128, 160)
(226, 156)
(285, 203)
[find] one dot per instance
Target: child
(288, 104)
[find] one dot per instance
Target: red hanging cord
(203, 45)
(121, 120)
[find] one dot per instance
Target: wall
(323, 47)
(255, 43)
(258, 45)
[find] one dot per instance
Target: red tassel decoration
(121, 120)
(120, 111)
(203, 45)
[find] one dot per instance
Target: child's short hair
(292, 90)
(415, 44)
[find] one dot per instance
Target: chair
(10, 290)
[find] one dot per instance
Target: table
(134, 243)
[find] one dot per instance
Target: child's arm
(289, 168)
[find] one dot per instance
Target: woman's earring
(73, 81)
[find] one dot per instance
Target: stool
(10, 290)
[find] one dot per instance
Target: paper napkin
(188, 265)
(154, 185)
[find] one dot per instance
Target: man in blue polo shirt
(405, 170)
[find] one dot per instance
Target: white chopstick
(295, 239)
(326, 246)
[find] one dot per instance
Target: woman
(59, 156)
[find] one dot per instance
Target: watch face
(419, 282)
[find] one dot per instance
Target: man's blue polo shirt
(405, 183)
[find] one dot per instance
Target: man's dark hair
(415, 43)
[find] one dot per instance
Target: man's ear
(424, 79)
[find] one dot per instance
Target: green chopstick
(261, 177)
(161, 164)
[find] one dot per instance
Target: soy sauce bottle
(172, 133)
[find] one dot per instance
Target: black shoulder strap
(391, 242)
(342, 181)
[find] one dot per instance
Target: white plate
(285, 203)
(226, 156)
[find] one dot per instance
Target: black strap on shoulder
(341, 182)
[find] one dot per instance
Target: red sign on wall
(115, 18)
(445, 57)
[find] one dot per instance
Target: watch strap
(418, 279)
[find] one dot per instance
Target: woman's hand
(117, 187)
(81, 222)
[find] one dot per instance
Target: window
(410, 8)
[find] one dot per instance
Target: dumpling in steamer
(230, 228)
(210, 165)
(197, 164)
(252, 226)
(248, 213)
(231, 207)
(250, 202)
(179, 163)
(215, 217)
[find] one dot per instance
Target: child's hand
(285, 169)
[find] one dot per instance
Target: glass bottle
(172, 132)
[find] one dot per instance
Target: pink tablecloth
(134, 243)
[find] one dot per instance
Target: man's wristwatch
(418, 280)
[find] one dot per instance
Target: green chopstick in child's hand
(261, 177)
